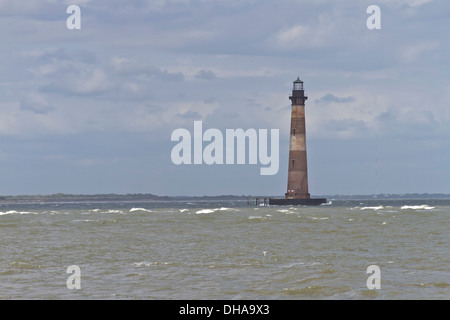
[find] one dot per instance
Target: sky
(92, 110)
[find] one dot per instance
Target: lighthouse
(297, 183)
(297, 186)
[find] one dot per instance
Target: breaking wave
(372, 208)
(140, 209)
(202, 211)
(258, 218)
(16, 212)
(421, 207)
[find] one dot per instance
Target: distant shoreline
(61, 197)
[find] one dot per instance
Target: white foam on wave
(204, 211)
(140, 209)
(143, 264)
(372, 208)
(215, 209)
(287, 211)
(294, 264)
(113, 211)
(421, 207)
(226, 209)
(95, 220)
(319, 218)
(52, 212)
(257, 217)
(149, 263)
(102, 211)
(16, 212)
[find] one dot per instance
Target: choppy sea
(225, 250)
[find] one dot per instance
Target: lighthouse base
(296, 202)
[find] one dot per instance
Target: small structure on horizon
(297, 186)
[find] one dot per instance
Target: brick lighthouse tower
(297, 186)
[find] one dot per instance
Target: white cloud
(316, 32)
(136, 68)
(417, 3)
(352, 117)
(293, 34)
(89, 82)
(411, 3)
(36, 103)
(417, 51)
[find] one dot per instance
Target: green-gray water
(225, 250)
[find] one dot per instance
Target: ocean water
(225, 250)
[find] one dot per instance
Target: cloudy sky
(92, 110)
